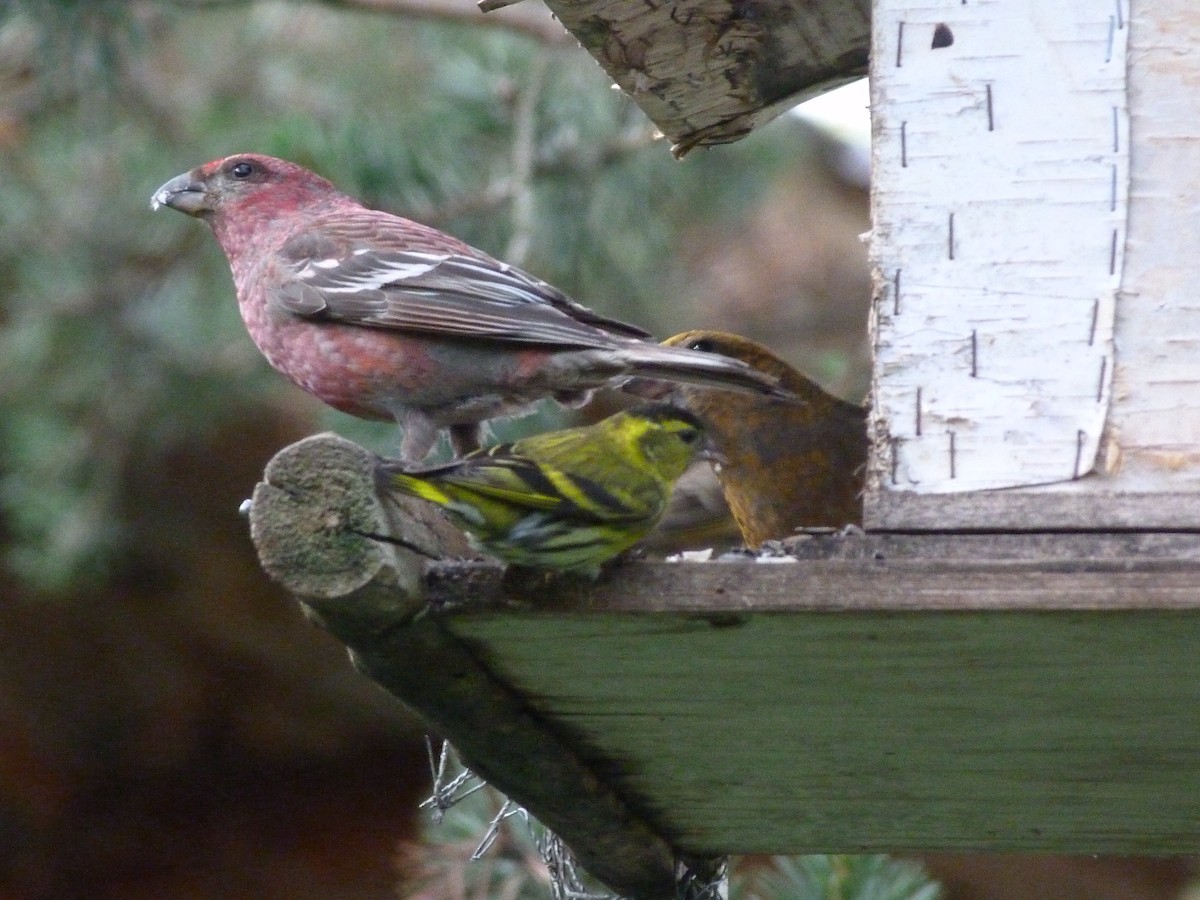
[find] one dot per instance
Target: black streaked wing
(513, 480)
(591, 457)
(495, 472)
(443, 294)
(518, 480)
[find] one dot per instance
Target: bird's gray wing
(452, 295)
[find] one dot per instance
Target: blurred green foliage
(820, 877)
(119, 335)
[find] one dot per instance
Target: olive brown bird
(566, 500)
(384, 318)
(787, 464)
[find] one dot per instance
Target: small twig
(531, 19)
(524, 150)
(566, 160)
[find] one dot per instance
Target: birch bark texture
(1154, 427)
(1001, 176)
(709, 72)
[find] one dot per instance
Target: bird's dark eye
(703, 345)
(689, 435)
(242, 170)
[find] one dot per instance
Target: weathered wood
(888, 574)
(710, 71)
(873, 730)
(869, 692)
(907, 692)
(1060, 508)
(1154, 428)
(309, 520)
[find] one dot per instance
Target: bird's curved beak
(185, 193)
(648, 389)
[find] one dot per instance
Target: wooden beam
(710, 71)
(1036, 692)
(1068, 507)
(877, 729)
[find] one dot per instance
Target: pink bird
(384, 318)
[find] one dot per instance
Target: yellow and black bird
(566, 500)
(787, 464)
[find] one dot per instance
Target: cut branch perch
(311, 519)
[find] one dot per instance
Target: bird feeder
(1009, 658)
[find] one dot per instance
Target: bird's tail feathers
(396, 476)
(656, 362)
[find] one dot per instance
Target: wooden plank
(864, 731)
(918, 573)
(1022, 510)
(885, 693)
(710, 71)
(1000, 175)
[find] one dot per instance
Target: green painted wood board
(814, 731)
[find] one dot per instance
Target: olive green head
(663, 437)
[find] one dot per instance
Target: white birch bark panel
(1001, 173)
